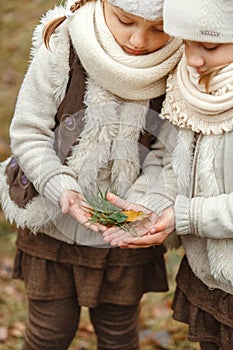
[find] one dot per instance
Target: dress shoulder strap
(69, 117)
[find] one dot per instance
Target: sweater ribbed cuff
(58, 184)
(182, 215)
(158, 203)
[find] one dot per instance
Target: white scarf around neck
(126, 76)
(188, 105)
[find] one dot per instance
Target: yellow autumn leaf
(134, 215)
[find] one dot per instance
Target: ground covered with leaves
(157, 329)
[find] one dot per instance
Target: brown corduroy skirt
(52, 269)
(209, 313)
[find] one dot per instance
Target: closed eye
(157, 30)
(211, 47)
(124, 21)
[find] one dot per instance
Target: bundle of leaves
(107, 214)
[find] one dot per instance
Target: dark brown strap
(153, 125)
(69, 118)
(69, 125)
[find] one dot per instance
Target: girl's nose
(138, 40)
(194, 57)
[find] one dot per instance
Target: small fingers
(145, 241)
(64, 205)
(117, 201)
(115, 237)
(93, 227)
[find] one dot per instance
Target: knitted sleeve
(210, 217)
(31, 132)
(156, 186)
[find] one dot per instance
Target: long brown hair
(52, 25)
(205, 79)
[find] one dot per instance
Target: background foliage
(157, 329)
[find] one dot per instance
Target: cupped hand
(74, 204)
(117, 236)
(153, 232)
(157, 235)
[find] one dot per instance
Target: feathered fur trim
(220, 256)
(60, 47)
(39, 210)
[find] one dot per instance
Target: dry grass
(17, 19)
(158, 330)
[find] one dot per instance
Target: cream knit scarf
(117, 97)
(126, 76)
(189, 106)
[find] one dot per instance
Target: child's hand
(74, 204)
(117, 236)
(157, 235)
(166, 223)
(153, 233)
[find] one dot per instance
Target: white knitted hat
(148, 9)
(199, 20)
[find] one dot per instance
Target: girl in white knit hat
(81, 113)
(199, 101)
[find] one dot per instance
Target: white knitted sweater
(31, 132)
(203, 164)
